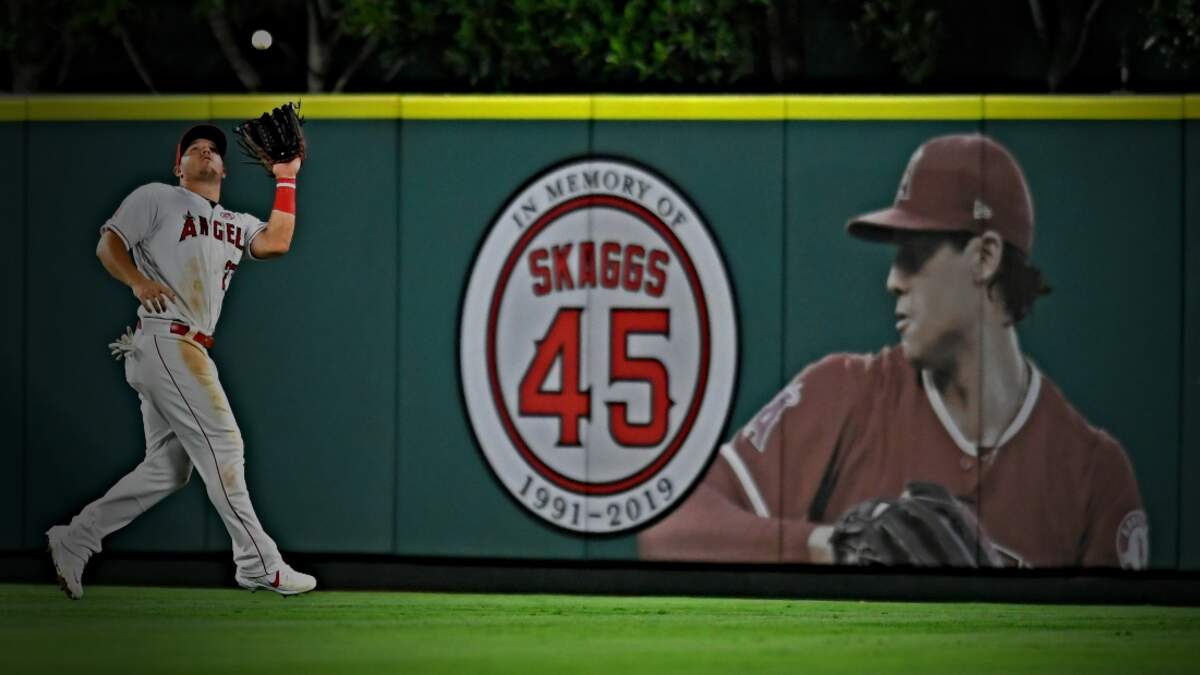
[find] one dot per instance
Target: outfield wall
(342, 359)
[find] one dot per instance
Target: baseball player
(955, 405)
(178, 249)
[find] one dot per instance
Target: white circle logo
(1133, 541)
(598, 346)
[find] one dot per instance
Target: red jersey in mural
(1054, 491)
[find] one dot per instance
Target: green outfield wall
(342, 359)
(1189, 409)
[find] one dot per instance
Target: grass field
(173, 630)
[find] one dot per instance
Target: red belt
(206, 341)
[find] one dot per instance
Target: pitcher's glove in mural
(926, 526)
(275, 137)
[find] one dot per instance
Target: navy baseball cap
(207, 131)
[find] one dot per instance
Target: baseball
(261, 39)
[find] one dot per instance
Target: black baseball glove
(275, 137)
(926, 527)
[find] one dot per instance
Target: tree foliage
(909, 32)
(1062, 27)
(597, 45)
(1173, 32)
(35, 35)
(501, 43)
(94, 18)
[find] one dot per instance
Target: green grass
(174, 630)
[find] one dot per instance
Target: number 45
(570, 403)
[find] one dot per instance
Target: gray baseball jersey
(187, 243)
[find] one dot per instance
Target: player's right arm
(754, 503)
(116, 260)
(716, 524)
(133, 221)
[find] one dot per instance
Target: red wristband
(285, 195)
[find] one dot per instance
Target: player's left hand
(286, 169)
(273, 139)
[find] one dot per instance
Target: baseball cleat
(67, 565)
(284, 581)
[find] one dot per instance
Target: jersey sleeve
(1118, 530)
(253, 227)
(754, 502)
(134, 218)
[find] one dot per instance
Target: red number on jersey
(230, 268)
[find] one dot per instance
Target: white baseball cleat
(67, 565)
(284, 581)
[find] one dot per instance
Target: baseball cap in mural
(961, 182)
(208, 131)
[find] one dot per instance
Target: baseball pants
(189, 425)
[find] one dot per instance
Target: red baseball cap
(208, 131)
(957, 183)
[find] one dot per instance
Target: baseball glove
(925, 527)
(275, 137)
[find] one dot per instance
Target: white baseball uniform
(193, 246)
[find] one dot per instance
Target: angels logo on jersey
(598, 346)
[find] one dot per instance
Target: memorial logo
(598, 346)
